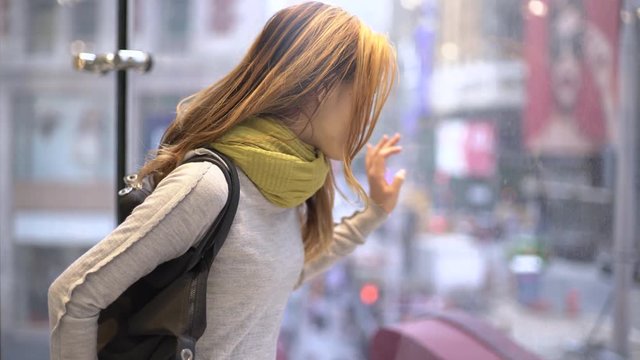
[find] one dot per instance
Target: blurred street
(562, 321)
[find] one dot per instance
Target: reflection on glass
(4, 17)
(157, 112)
(61, 138)
(84, 24)
(174, 25)
(39, 266)
(42, 26)
(507, 114)
(59, 149)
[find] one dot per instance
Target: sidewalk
(550, 334)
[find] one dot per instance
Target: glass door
(57, 149)
(193, 43)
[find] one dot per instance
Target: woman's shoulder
(205, 180)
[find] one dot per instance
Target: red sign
(480, 149)
(466, 148)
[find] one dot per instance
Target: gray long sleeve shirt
(261, 262)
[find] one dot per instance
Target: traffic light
(369, 293)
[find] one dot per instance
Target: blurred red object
(281, 353)
(438, 224)
(572, 302)
(449, 335)
(369, 294)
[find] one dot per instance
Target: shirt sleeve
(171, 219)
(349, 233)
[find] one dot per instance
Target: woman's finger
(368, 155)
(398, 180)
(381, 143)
(390, 150)
(387, 141)
(394, 140)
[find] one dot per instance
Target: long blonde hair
(303, 50)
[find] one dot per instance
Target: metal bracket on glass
(121, 60)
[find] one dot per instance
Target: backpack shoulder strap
(214, 238)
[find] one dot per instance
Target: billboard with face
(571, 53)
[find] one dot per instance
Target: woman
(310, 88)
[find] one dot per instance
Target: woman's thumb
(398, 180)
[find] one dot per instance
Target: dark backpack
(163, 314)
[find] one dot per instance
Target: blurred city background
(510, 119)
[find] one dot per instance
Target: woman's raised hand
(382, 193)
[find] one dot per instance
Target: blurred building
(570, 121)
(491, 94)
(476, 98)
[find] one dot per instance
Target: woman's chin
(333, 157)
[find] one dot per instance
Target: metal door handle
(121, 60)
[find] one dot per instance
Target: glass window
(4, 18)
(157, 112)
(58, 160)
(38, 266)
(174, 25)
(84, 24)
(62, 138)
(508, 112)
(223, 16)
(42, 26)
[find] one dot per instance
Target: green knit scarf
(286, 170)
